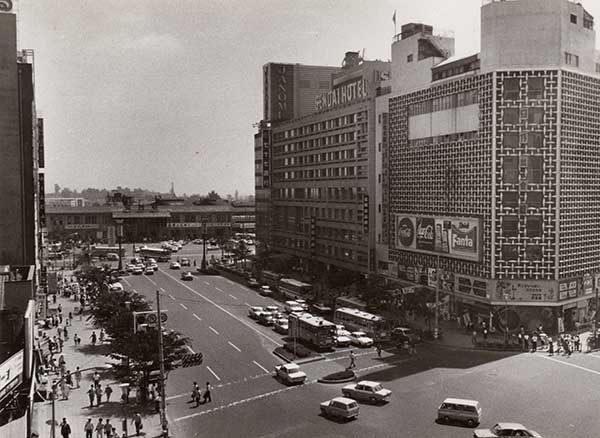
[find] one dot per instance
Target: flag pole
(394, 19)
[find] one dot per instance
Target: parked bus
(374, 326)
(312, 330)
(158, 254)
(270, 278)
(292, 289)
(103, 251)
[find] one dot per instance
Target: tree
(241, 252)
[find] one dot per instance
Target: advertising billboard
(279, 88)
(342, 94)
(452, 237)
(523, 290)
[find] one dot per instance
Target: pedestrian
(474, 337)
(70, 316)
(413, 348)
(64, 389)
(99, 394)
(78, 340)
(59, 331)
(534, 340)
(137, 421)
(99, 428)
(485, 334)
(65, 429)
(207, 396)
(69, 378)
(152, 391)
(93, 338)
(352, 360)
(577, 343)
(378, 349)
(77, 376)
(96, 378)
(526, 342)
(550, 347)
(60, 344)
(91, 394)
(108, 391)
(88, 428)
(61, 362)
(60, 308)
(195, 391)
(65, 333)
(101, 336)
(108, 429)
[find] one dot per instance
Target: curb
(349, 379)
(460, 347)
(299, 362)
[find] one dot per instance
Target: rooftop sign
(343, 94)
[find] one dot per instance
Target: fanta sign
(464, 237)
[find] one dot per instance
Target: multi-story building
(492, 192)
(317, 200)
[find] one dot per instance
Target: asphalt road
(556, 396)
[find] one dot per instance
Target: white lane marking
(206, 282)
(134, 291)
(220, 290)
(222, 385)
(570, 364)
(183, 305)
(279, 344)
(234, 346)
(260, 366)
(126, 282)
(235, 298)
(247, 304)
(190, 348)
(150, 280)
(197, 317)
(213, 373)
(162, 289)
(172, 297)
(216, 332)
(229, 281)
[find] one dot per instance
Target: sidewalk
(77, 408)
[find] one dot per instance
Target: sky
(142, 93)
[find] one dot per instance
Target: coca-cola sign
(426, 233)
(405, 232)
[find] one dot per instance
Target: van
(460, 410)
(292, 307)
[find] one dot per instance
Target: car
(254, 311)
(186, 276)
(360, 339)
(266, 291)
(505, 429)
(129, 267)
(290, 373)
(185, 262)
(302, 303)
(112, 256)
(367, 390)
(149, 270)
(174, 265)
(405, 334)
(266, 318)
(253, 283)
(342, 338)
(273, 309)
(115, 287)
(280, 325)
(154, 266)
(138, 270)
(340, 407)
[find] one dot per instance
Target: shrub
(340, 375)
(301, 351)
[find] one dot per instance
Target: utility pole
(203, 264)
(163, 401)
(437, 300)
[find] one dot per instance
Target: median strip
(235, 298)
(172, 297)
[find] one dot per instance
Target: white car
(360, 339)
(341, 407)
(115, 287)
(342, 338)
(281, 325)
(138, 270)
(129, 267)
(255, 311)
(367, 390)
(149, 270)
(174, 265)
(505, 429)
(290, 373)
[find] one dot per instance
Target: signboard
(470, 286)
(431, 277)
(11, 373)
(6, 5)
(111, 234)
(588, 284)
(567, 289)
(197, 224)
(342, 94)
(523, 290)
(453, 237)
(280, 99)
(81, 226)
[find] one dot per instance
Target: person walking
(108, 429)
(577, 343)
(69, 379)
(534, 340)
(65, 429)
(152, 391)
(96, 378)
(64, 389)
(207, 396)
(99, 394)
(77, 375)
(99, 428)
(352, 360)
(195, 391)
(102, 336)
(137, 421)
(378, 349)
(91, 394)
(88, 428)
(550, 347)
(93, 338)
(474, 337)
(66, 333)
(108, 391)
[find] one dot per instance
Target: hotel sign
(341, 95)
(6, 5)
(197, 224)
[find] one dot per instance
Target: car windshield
(376, 388)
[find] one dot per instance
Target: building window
(510, 226)
(588, 21)
(535, 199)
(409, 58)
(511, 116)
(534, 140)
(510, 252)
(510, 140)
(535, 115)
(571, 59)
(535, 88)
(534, 226)
(511, 88)
(510, 199)
(535, 169)
(533, 252)
(573, 18)
(510, 170)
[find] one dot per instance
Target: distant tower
(172, 192)
(236, 195)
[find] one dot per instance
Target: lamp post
(437, 300)
(203, 264)
(55, 384)
(119, 223)
(505, 319)
(163, 398)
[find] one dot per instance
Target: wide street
(248, 401)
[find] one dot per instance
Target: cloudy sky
(142, 93)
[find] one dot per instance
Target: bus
(103, 251)
(270, 278)
(313, 331)
(292, 289)
(158, 254)
(374, 326)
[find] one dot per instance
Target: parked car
(265, 291)
(115, 287)
(253, 283)
(290, 373)
(266, 318)
(185, 262)
(405, 334)
(281, 326)
(342, 338)
(112, 256)
(254, 311)
(367, 390)
(360, 339)
(187, 276)
(174, 265)
(505, 429)
(149, 270)
(138, 270)
(340, 407)
(129, 267)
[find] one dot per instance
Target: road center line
(172, 297)
(214, 331)
(183, 305)
(162, 289)
(254, 329)
(126, 282)
(206, 282)
(190, 348)
(197, 317)
(220, 290)
(247, 304)
(234, 346)
(134, 291)
(260, 366)
(213, 373)
(235, 298)
(150, 280)
(570, 364)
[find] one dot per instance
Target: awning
(142, 214)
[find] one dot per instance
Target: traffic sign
(147, 318)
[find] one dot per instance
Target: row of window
(532, 252)
(513, 140)
(571, 59)
(448, 72)
(439, 139)
(341, 253)
(443, 103)
(327, 140)
(339, 234)
(189, 218)
(329, 172)
(312, 128)
(534, 226)
(512, 88)
(533, 165)
(346, 154)
(533, 115)
(533, 199)
(321, 193)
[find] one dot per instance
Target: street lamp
(506, 318)
(119, 223)
(203, 264)
(55, 384)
